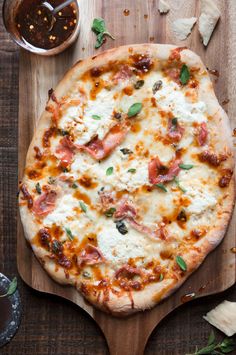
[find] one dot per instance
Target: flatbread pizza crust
(133, 301)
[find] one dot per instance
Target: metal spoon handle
(61, 6)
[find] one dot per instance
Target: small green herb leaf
(38, 188)
(56, 246)
(184, 74)
(211, 338)
(186, 166)
(227, 345)
(135, 109)
(83, 206)
(126, 151)
(109, 171)
(138, 84)
(99, 28)
(121, 227)
(11, 288)
(161, 277)
(180, 261)
(96, 117)
(132, 171)
(176, 180)
(69, 233)
(174, 121)
(110, 212)
(157, 86)
(162, 187)
(74, 185)
(51, 180)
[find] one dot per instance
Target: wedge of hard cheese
(210, 14)
(223, 317)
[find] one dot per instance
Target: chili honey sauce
(33, 22)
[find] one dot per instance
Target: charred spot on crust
(225, 179)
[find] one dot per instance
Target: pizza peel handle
(129, 335)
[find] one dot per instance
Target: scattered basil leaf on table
(99, 28)
(184, 74)
(135, 109)
(11, 288)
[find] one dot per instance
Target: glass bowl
(9, 11)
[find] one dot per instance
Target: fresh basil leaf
(96, 117)
(38, 188)
(161, 277)
(184, 74)
(180, 261)
(109, 171)
(126, 151)
(162, 187)
(176, 180)
(121, 227)
(211, 338)
(157, 86)
(227, 345)
(132, 171)
(138, 84)
(206, 350)
(135, 109)
(83, 206)
(174, 121)
(110, 212)
(86, 274)
(99, 41)
(186, 166)
(74, 185)
(65, 170)
(69, 233)
(98, 25)
(11, 288)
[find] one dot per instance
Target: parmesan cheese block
(223, 317)
(163, 7)
(210, 14)
(182, 27)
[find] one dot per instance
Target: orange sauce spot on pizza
(97, 272)
(87, 182)
(98, 85)
(166, 253)
(82, 196)
(120, 194)
(32, 173)
(128, 90)
(136, 127)
(153, 101)
(55, 231)
(90, 238)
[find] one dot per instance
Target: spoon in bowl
(52, 11)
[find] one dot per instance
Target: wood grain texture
(38, 74)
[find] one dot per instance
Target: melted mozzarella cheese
(63, 211)
(119, 248)
(171, 98)
(201, 199)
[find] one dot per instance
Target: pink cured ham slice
(202, 134)
(65, 151)
(155, 171)
(45, 203)
(90, 256)
(175, 131)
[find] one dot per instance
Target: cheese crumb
(223, 317)
(210, 14)
(182, 27)
(163, 7)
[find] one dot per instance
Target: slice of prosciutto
(127, 211)
(175, 131)
(90, 256)
(158, 173)
(125, 72)
(100, 149)
(128, 272)
(202, 134)
(65, 151)
(45, 203)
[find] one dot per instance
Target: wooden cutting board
(38, 74)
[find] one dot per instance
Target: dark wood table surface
(51, 325)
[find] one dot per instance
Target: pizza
(128, 179)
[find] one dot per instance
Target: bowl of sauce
(29, 24)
